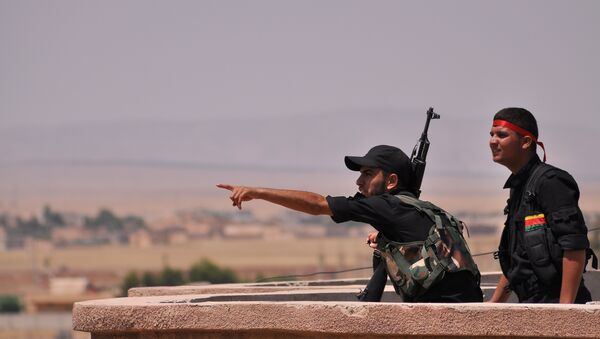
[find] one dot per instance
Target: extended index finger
(225, 186)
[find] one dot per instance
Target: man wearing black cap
(543, 247)
(384, 172)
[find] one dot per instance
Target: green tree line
(41, 228)
(202, 271)
(10, 304)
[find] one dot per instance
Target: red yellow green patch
(533, 222)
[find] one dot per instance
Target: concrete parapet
(321, 309)
(189, 316)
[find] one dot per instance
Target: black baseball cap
(389, 158)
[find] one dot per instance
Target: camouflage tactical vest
(414, 267)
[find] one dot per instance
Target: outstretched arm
(307, 202)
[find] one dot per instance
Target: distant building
(68, 285)
(67, 235)
(73, 219)
(141, 238)
(310, 231)
(38, 244)
(253, 231)
(170, 235)
(275, 232)
(178, 236)
(198, 229)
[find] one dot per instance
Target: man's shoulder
(385, 201)
(556, 173)
(555, 188)
(391, 198)
(550, 174)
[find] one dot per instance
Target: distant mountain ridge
(304, 142)
(297, 143)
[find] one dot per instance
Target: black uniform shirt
(403, 223)
(397, 222)
(557, 197)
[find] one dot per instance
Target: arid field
(249, 257)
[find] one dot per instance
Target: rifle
(376, 285)
(419, 154)
(374, 289)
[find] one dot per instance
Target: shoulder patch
(535, 221)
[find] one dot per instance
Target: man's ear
(391, 181)
(526, 142)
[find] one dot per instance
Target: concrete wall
(317, 309)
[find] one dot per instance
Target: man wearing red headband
(544, 243)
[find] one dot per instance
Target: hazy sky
(150, 68)
(65, 61)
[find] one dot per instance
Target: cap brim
(355, 163)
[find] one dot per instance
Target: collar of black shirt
(410, 194)
(516, 180)
(359, 195)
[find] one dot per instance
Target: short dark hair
(401, 185)
(520, 117)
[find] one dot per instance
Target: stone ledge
(164, 316)
(324, 309)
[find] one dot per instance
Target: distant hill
(310, 142)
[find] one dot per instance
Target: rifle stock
(376, 285)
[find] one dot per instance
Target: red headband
(524, 132)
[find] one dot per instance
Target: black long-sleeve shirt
(557, 197)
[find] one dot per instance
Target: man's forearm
(307, 202)
(573, 265)
(502, 291)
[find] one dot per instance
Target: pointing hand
(239, 193)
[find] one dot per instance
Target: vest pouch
(406, 266)
(536, 245)
(452, 252)
(416, 266)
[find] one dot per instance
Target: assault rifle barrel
(419, 153)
